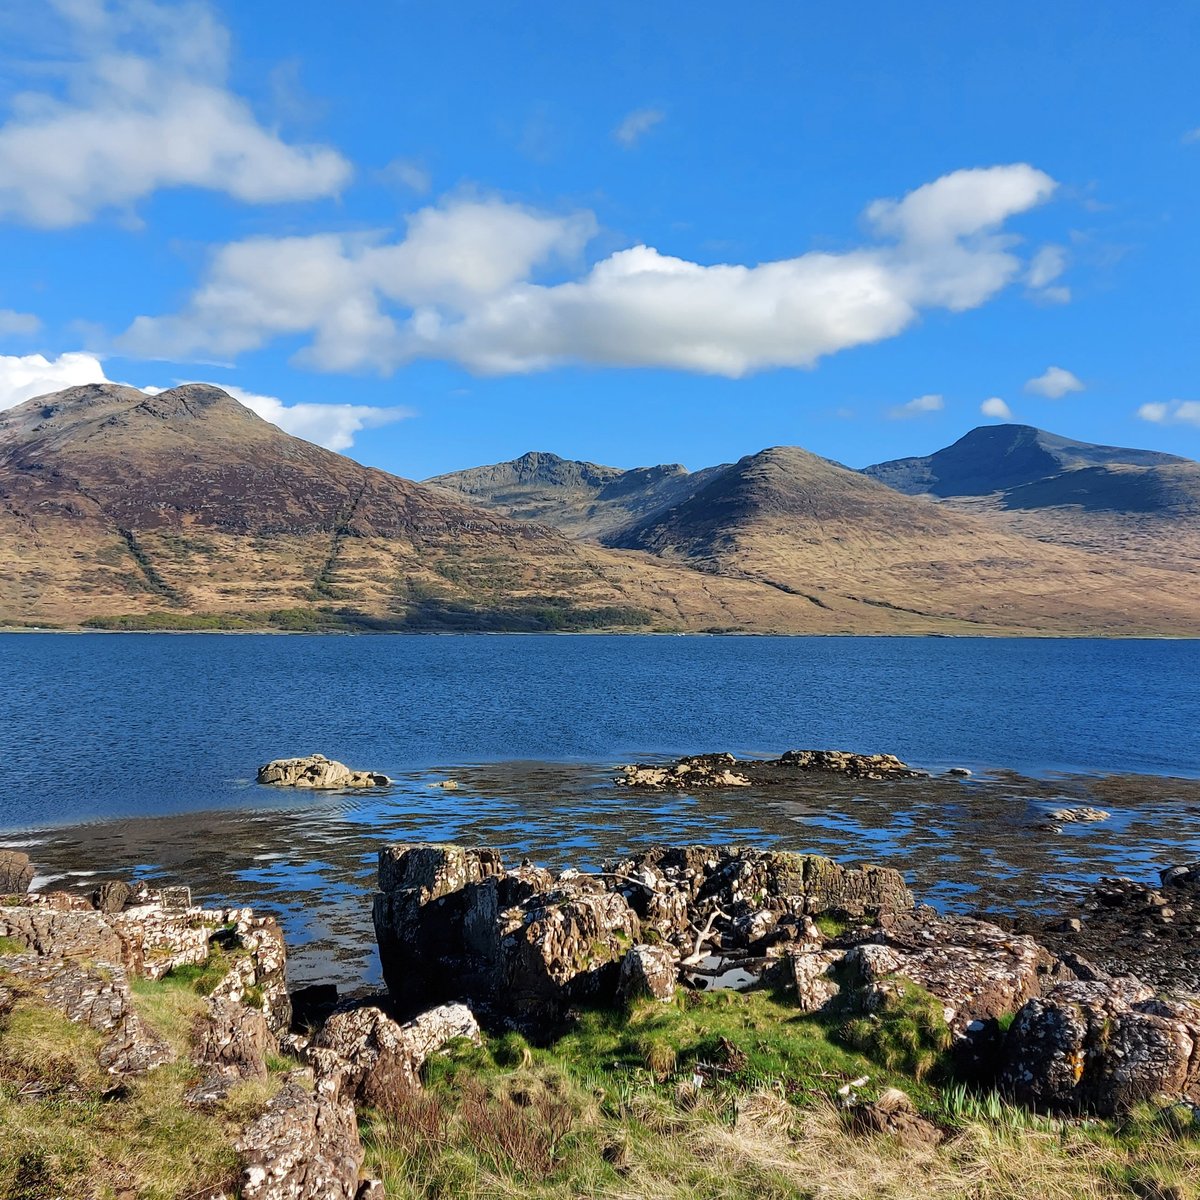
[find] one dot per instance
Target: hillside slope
(810, 526)
(113, 502)
(1139, 506)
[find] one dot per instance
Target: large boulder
(318, 772)
(1102, 1046)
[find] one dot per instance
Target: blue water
(97, 726)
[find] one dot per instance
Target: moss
(907, 1032)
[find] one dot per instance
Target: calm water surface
(135, 755)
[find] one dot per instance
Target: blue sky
(435, 236)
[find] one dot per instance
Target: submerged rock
(318, 772)
(726, 771)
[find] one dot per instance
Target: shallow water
(973, 845)
(135, 755)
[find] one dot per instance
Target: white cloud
(144, 106)
(18, 324)
(1192, 135)
(1046, 266)
(1171, 412)
(995, 407)
(459, 287)
(23, 377)
(1054, 383)
(917, 407)
(636, 125)
(409, 174)
(330, 425)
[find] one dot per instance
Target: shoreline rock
(317, 772)
(726, 771)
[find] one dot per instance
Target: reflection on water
(963, 845)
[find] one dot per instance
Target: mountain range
(184, 509)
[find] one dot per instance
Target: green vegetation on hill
(544, 614)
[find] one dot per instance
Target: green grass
(12, 946)
(65, 1131)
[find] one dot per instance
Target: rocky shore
(1093, 1013)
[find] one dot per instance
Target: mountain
(1141, 506)
(580, 498)
(184, 509)
(1012, 458)
(811, 528)
(119, 507)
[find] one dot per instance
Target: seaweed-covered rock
(317, 772)
(715, 771)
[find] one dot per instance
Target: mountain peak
(998, 458)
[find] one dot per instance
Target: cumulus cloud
(1171, 412)
(330, 425)
(461, 287)
(636, 125)
(917, 407)
(995, 407)
(144, 106)
(1054, 383)
(24, 376)
(18, 324)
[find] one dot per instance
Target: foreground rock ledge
(726, 771)
(525, 946)
(317, 772)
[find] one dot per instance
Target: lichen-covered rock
(96, 995)
(380, 1059)
(563, 949)
(1102, 1046)
(435, 919)
(647, 971)
(235, 1039)
(16, 873)
(318, 772)
(305, 1145)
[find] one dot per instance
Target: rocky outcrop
(379, 1059)
(318, 772)
(154, 935)
(93, 994)
(16, 873)
(305, 1145)
(1102, 1046)
(709, 771)
(524, 944)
